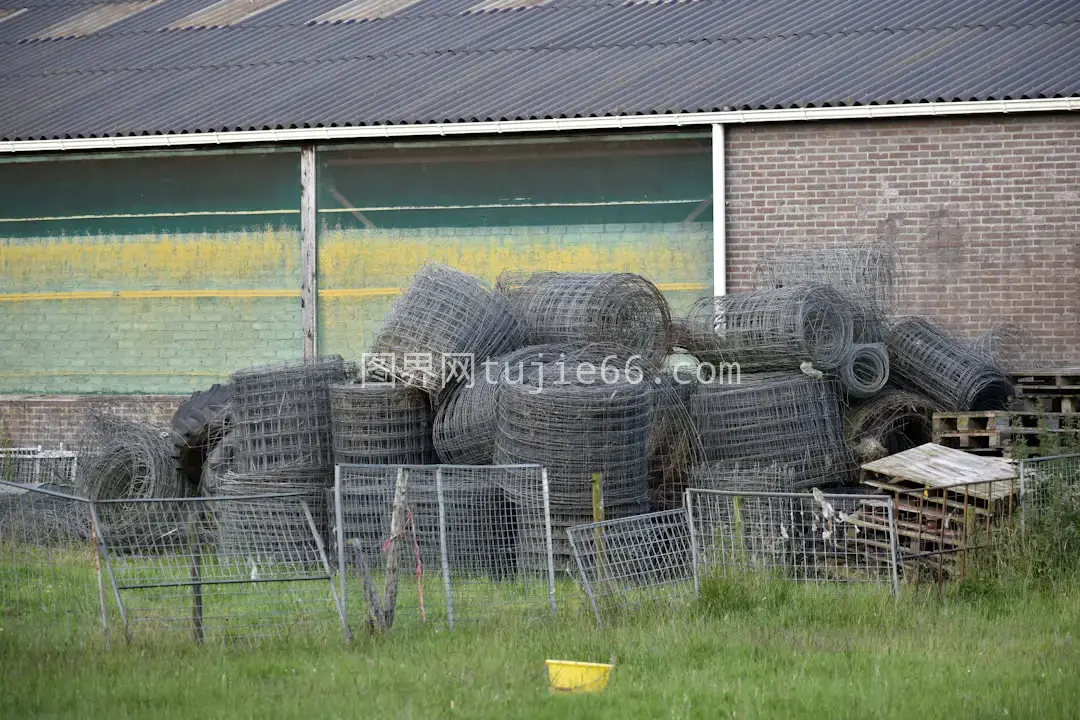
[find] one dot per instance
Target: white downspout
(719, 193)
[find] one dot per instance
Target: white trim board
(624, 122)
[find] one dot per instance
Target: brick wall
(984, 212)
(52, 420)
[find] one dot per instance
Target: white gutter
(623, 122)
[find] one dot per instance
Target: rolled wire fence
(473, 542)
(661, 558)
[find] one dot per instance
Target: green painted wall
(164, 274)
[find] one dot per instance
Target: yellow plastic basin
(566, 676)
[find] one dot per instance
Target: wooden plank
(309, 265)
(935, 466)
(918, 492)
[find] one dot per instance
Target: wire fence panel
(1046, 480)
(811, 537)
(34, 465)
(48, 580)
(636, 560)
(219, 570)
(474, 542)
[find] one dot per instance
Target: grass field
(741, 650)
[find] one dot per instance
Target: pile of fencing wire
(928, 360)
(381, 423)
(281, 415)
(774, 329)
(443, 315)
(583, 308)
(864, 274)
(775, 418)
(891, 422)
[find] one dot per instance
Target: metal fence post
(894, 556)
(108, 567)
(442, 548)
(343, 615)
(548, 540)
(1023, 499)
(585, 580)
(339, 539)
(695, 559)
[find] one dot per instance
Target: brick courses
(984, 212)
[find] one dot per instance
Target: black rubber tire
(197, 426)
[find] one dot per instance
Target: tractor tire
(198, 425)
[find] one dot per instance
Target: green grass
(746, 649)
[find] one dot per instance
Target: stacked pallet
(945, 502)
(998, 433)
(1046, 407)
(1049, 391)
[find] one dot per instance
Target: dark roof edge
(615, 122)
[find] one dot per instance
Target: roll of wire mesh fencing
(775, 419)
(122, 459)
(465, 420)
(891, 422)
(444, 315)
(581, 308)
(774, 329)
(281, 415)
(865, 370)
(575, 430)
(380, 423)
(926, 359)
(1007, 346)
(865, 275)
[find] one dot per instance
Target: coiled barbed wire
(926, 359)
(443, 314)
(581, 308)
(121, 459)
(865, 370)
(772, 329)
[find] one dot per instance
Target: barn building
(188, 187)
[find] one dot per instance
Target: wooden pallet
(1047, 404)
(945, 501)
(997, 432)
(1048, 381)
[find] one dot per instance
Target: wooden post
(309, 263)
(397, 528)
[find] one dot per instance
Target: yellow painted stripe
(54, 373)
(182, 294)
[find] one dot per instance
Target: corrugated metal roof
(450, 61)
